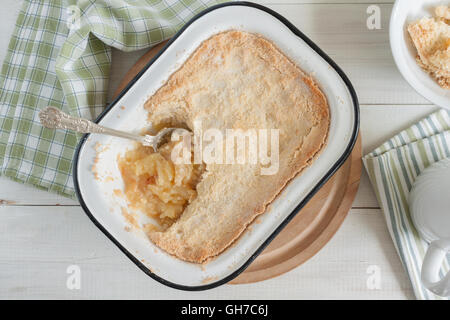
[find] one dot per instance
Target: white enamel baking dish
(127, 113)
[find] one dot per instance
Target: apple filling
(156, 186)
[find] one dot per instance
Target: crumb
(99, 148)
(130, 218)
(149, 227)
(209, 279)
(118, 193)
(3, 202)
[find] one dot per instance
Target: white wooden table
(41, 234)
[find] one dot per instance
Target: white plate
(97, 197)
(404, 52)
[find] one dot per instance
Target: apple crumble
(233, 80)
(431, 37)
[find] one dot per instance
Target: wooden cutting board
(312, 227)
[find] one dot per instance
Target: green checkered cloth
(393, 167)
(60, 55)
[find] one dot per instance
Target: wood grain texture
(393, 119)
(38, 240)
(137, 67)
(39, 243)
(341, 31)
(368, 2)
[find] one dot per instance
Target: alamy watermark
(73, 17)
(228, 146)
(73, 281)
(374, 279)
(374, 20)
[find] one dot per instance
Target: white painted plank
(368, 2)
(37, 244)
(11, 8)
(365, 197)
(8, 15)
(339, 29)
(392, 119)
(378, 124)
(364, 55)
(15, 193)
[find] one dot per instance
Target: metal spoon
(53, 118)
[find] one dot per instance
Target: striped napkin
(392, 169)
(60, 55)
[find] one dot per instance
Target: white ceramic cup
(429, 203)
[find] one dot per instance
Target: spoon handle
(53, 118)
